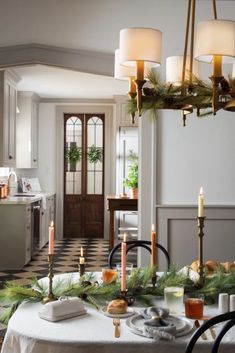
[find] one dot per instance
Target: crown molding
(78, 60)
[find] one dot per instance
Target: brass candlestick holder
(129, 299)
(154, 279)
(200, 223)
(82, 269)
(50, 297)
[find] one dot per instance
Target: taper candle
(51, 239)
(123, 282)
(82, 259)
(201, 203)
(153, 248)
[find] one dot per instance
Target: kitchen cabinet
(27, 130)
(15, 235)
(8, 106)
(47, 215)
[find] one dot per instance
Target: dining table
(93, 332)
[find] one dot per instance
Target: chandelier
(213, 41)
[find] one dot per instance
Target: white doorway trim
(110, 152)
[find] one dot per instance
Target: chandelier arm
(214, 9)
(186, 41)
(192, 41)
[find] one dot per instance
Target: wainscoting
(177, 232)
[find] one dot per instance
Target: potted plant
(94, 154)
(131, 182)
(73, 155)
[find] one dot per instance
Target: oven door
(35, 236)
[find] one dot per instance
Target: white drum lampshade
(140, 44)
(122, 72)
(215, 37)
(174, 65)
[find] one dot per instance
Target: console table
(115, 203)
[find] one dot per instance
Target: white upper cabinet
(8, 105)
(27, 130)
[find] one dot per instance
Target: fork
(203, 335)
(212, 330)
(116, 323)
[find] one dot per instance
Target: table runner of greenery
(98, 293)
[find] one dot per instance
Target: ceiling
(51, 82)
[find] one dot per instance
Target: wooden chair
(229, 317)
(146, 244)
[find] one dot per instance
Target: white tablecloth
(92, 333)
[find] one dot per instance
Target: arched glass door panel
(73, 156)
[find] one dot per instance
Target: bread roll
(117, 306)
(195, 265)
(212, 265)
(228, 266)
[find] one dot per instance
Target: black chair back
(230, 322)
(131, 244)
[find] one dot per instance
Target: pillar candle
(51, 239)
(153, 248)
(201, 203)
(123, 282)
(82, 259)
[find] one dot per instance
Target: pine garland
(97, 294)
(196, 94)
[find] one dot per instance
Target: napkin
(157, 324)
(61, 309)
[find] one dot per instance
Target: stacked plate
(183, 325)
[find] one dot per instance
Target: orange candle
(82, 259)
(153, 248)
(123, 283)
(51, 239)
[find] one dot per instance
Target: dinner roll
(117, 306)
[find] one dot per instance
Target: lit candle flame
(201, 190)
(124, 237)
(81, 251)
(153, 228)
(52, 224)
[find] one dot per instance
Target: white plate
(183, 325)
(128, 313)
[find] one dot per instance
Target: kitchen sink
(23, 195)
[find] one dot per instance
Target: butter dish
(61, 309)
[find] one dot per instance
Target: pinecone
(168, 100)
(83, 296)
(224, 84)
(148, 91)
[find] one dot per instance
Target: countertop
(25, 200)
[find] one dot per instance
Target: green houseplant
(94, 154)
(131, 182)
(73, 155)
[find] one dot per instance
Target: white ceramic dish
(127, 314)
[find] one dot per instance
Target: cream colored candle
(123, 282)
(51, 239)
(201, 203)
(153, 248)
(82, 258)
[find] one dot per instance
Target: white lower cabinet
(15, 236)
(23, 231)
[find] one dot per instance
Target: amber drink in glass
(194, 305)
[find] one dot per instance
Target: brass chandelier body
(190, 95)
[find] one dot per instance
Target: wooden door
(84, 177)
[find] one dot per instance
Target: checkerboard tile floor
(66, 258)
